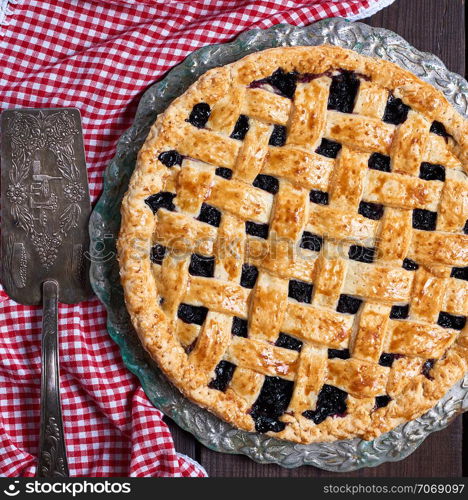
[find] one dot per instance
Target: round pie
(294, 246)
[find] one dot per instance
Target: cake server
(44, 241)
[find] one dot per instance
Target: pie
(294, 247)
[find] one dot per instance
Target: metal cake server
(44, 241)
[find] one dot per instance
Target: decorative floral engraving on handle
(43, 166)
(51, 460)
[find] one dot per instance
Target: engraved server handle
(52, 460)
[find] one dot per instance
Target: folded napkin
(99, 56)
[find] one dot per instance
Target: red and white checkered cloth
(100, 56)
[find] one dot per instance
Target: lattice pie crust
(293, 246)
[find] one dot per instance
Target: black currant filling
(427, 367)
(226, 173)
(170, 158)
(223, 375)
(343, 91)
(311, 241)
(199, 115)
(465, 228)
(460, 272)
(267, 183)
(439, 129)
(328, 148)
(399, 312)
(380, 162)
(192, 314)
(201, 266)
(424, 219)
(387, 359)
(288, 342)
(240, 128)
(210, 215)
(382, 401)
(271, 404)
(163, 199)
(239, 327)
(410, 265)
(331, 402)
(259, 230)
(157, 254)
(432, 172)
(361, 254)
(396, 111)
(447, 320)
(348, 304)
(300, 290)
(278, 136)
(284, 83)
(319, 197)
(338, 353)
(249, 276)
(372, 211)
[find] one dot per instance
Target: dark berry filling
(460, 272)
(439, 129)
(239, 327)
(301, 291)
(267, 183)
(348, 304)
(192, 314)
(271, 403)
(249, 276)
(319, 197)
(311, 241)
(328, 148)
(432, 172)
(199, 115)
(170, 158)
(447, 320)
(372, 211)
(259, 230)
(202, 266)
(331, 402)
(379, 162)
(163, 199)
(424, 219)
(210, 215)
(288, 342)
(226, 173)
(387, 359)
(382, 401)
(343, 91)
(240, 128)
(362, 254)
(396, 111)
(410, 265)
(284, 82)
(223, 375)
(338, 353)
(399, 312)
(278, 136)
(157, 254)
(427, 367)
(465, 228)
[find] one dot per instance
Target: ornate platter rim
(338, 456)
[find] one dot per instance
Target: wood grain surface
(436, 26)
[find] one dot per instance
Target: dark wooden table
(436, 26)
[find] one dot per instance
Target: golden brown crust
(188, 353)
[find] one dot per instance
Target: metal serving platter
(339, 456)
